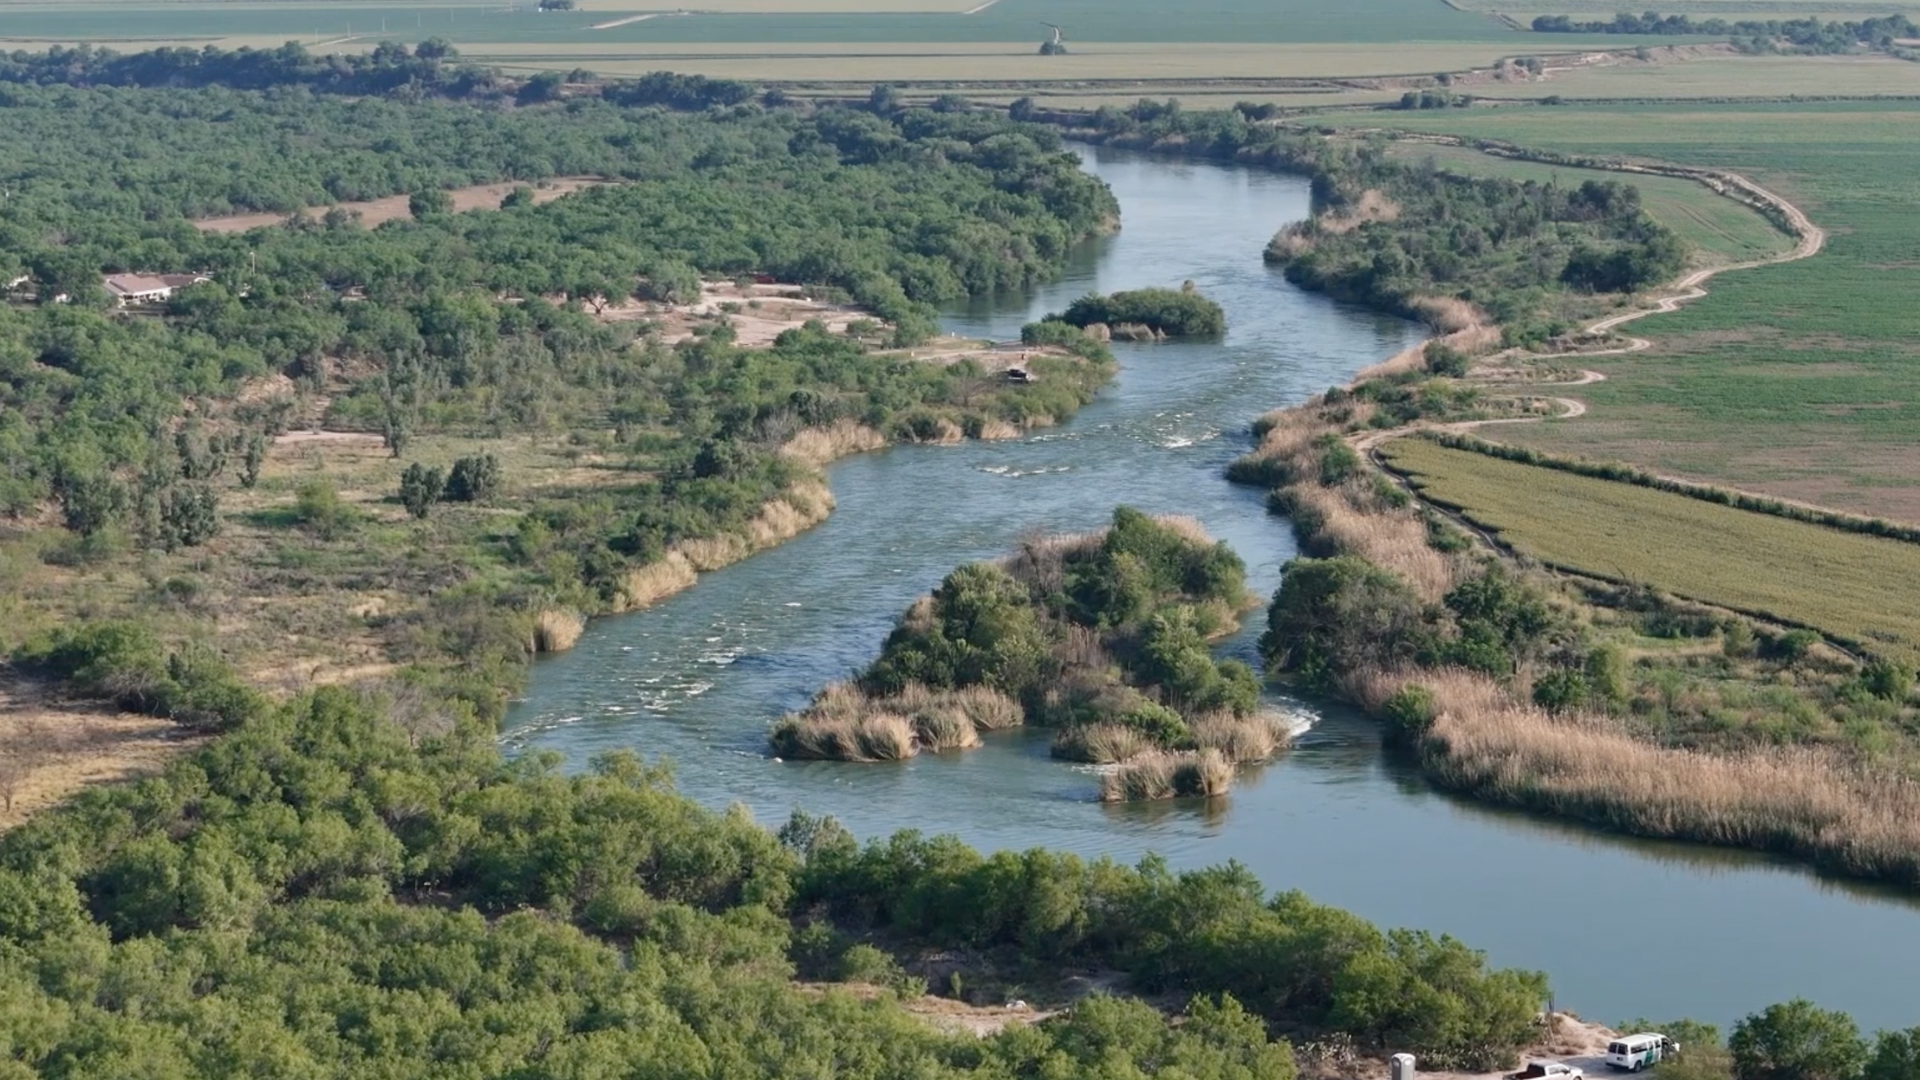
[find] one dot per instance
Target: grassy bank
(1619, 705)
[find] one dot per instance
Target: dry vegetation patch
(372, 212)
(50, 749)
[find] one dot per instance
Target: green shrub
(317, 506)
(1410, 711)
(473, 479)
(1560, 689)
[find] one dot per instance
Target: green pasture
(1800, 379)
(1837, 582)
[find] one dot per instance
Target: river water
(1624, 928)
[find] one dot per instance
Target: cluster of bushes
(1337, 615)
(1166, 312)
(1103, 637)
(126, 664)
(1808, 35)
(1283, 957)
(1483, 240)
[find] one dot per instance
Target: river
(1624, 928)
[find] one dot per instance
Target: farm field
(1716, 75)
(1175, 70)
(1721, 230)
(1833, 581)
(1799, 380)
(909, 21)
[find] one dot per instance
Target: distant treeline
(432, 68)
(1806, 35)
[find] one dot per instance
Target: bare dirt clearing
(50, 749)
(758, 313)
(374, 212)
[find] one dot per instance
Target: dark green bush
(1173, 312)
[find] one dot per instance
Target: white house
(148, 288)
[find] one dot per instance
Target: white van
(1636, 1052)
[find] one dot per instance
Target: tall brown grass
(1101, 744)
(845, 724)
(990, 710)
(555, 630)
(876, 736)
(1393, 540)
(654, 582)
(1242, 738)
(1808, 803)
(818, 446)
(1163, 775)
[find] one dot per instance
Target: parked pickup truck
(1547, 1070)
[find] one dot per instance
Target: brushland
(1101, 637)
(348, 885)
(421, 454)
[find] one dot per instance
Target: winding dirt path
(1810, 238)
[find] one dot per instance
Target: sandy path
(611, 23)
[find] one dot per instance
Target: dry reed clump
(820, 445)
(1242, 738)
(1039, 561)
(876, 736)
(654, 582)
(1450, 315)
(1809, 803)
(1146, 777)
(844, 723)
(1392, 540)
(1101, 744)
(555, 630)
(1164, 775)
(943, 727)
(708, 553)
(998, 431)
(988, 709)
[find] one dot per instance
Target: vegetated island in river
(1145, 314)
(1100, 636)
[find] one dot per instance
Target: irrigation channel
(1625, 928)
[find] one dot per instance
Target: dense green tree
(420, 487)
(1797, 1041)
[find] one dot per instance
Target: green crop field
(1837, 582)
(1801, 379)
(1721, 230)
